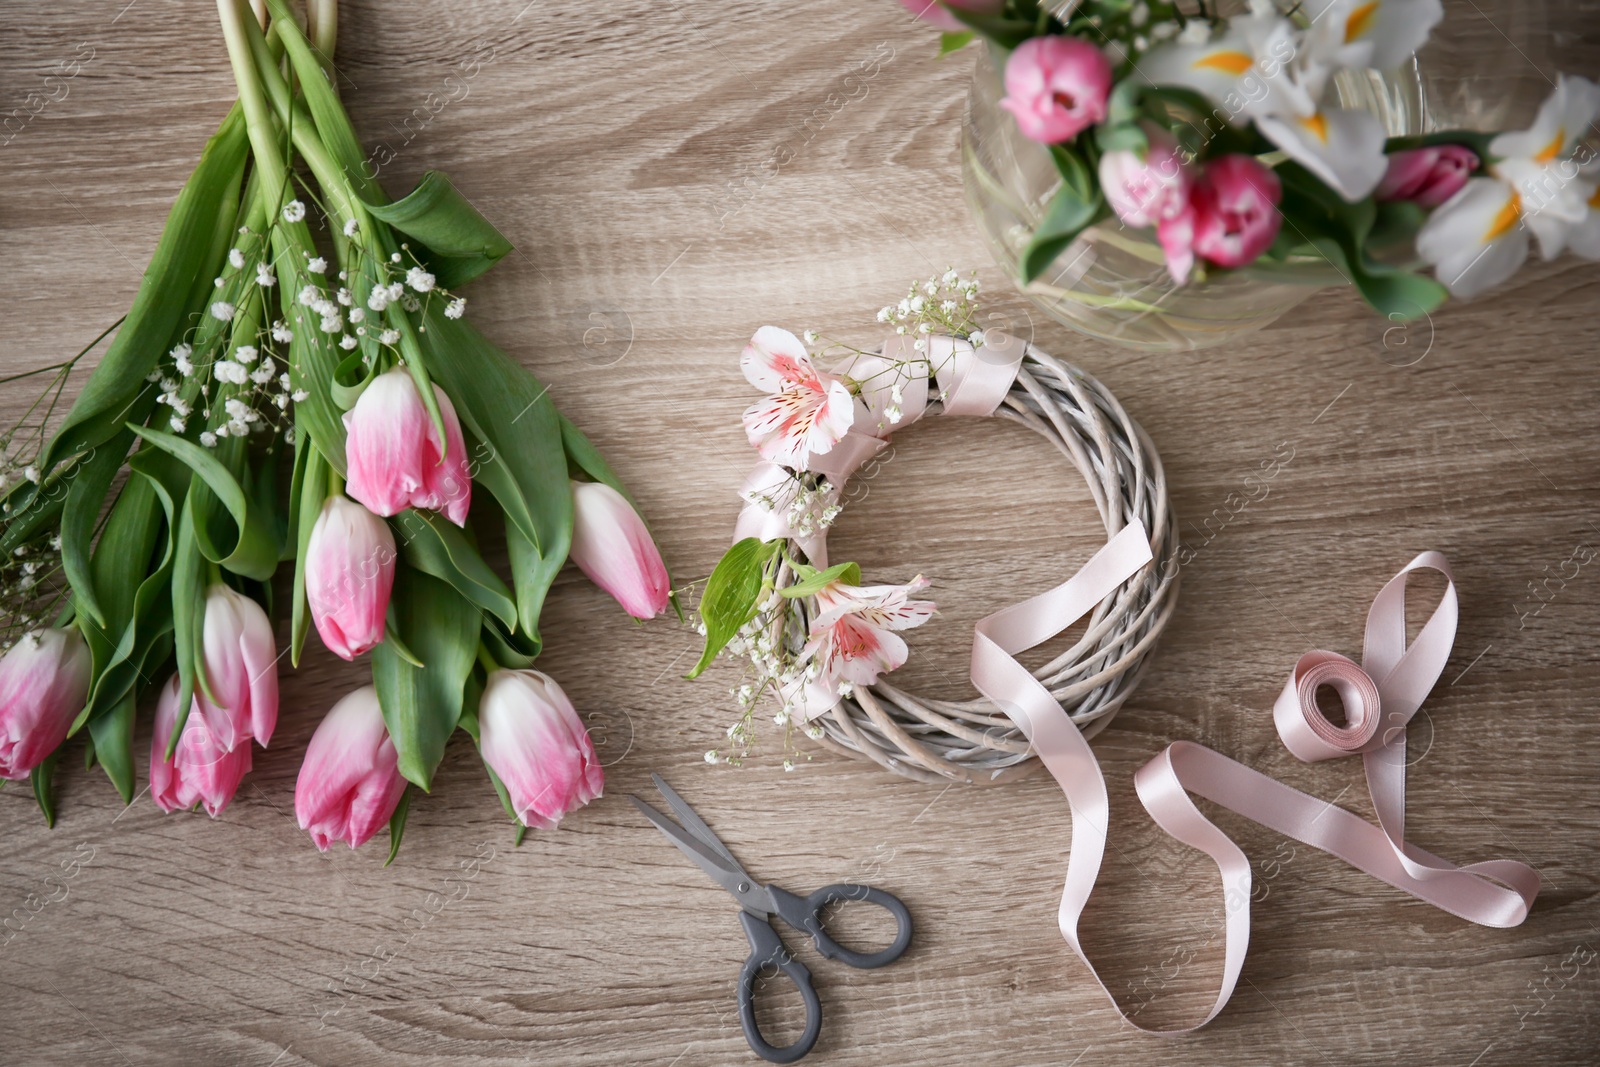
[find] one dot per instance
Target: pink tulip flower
(536, 745)
(1144, 190)
(1236, 213)
(935, 14)
(350, 562)
(1427, 176)
(394, 454)
(202, 769)
(611, 545)
(1056, 87)
(1176, 235)
(350, 781)
(240, 659)
(44, 681)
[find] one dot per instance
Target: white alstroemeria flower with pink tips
(810, 409)
(853, 640)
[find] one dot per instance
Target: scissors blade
(719, 869)
(691, 820)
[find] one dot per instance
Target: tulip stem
(486, 659)
(335, 482)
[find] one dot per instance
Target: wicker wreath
(973, 741)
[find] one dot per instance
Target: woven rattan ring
(973, 741)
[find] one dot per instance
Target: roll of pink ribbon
(1379, 697)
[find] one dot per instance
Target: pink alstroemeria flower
(350, 561)
(611, 545)
(202, 770)
(853, 640)
(350, 781)
(810, 409)
(44, 680)
(533, 740)
(395, 457)
(240, 659)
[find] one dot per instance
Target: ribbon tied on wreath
(1379, 697)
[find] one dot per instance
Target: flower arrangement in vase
(1216, 146)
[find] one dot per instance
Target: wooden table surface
(627, 149)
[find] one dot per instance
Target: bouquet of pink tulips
(281, 392)
(1218, 135)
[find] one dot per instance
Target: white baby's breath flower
(331, 323)
(264, 373)
(358, 314)
(389, 337)
(378, 299)
(245, 353)
(419, 279)
(178, 425)
(309, 294)
(225, 370)
(264, 276)
(350, 227)
(31, 473)
(281, 332)
(299, 395)
(456, 308)
(208, 439)
(222, 310)
(235, 259)
(711, 755)
(347, 342)
(294, 211)
(317, 265)
(343, 296)
(410, 302)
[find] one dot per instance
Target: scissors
(759, 904)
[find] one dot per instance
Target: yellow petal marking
(1235, 63)
(1360, 21)
(1594, 201)
(1507, 220)
(1318, 125)
(1550, 151)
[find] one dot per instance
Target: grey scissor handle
(805, 913)
(766, 950)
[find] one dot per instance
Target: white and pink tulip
(44, 680)
(533, 740)
(395, 457)
(240, 659)
(350, 563)
(611, 545)
(350, 781)
(202, 769)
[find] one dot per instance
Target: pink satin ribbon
(972, 381)
(1380, 696)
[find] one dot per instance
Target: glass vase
(1112, 282)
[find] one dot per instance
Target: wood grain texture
(624, 148)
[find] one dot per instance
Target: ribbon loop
(1379, 698)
